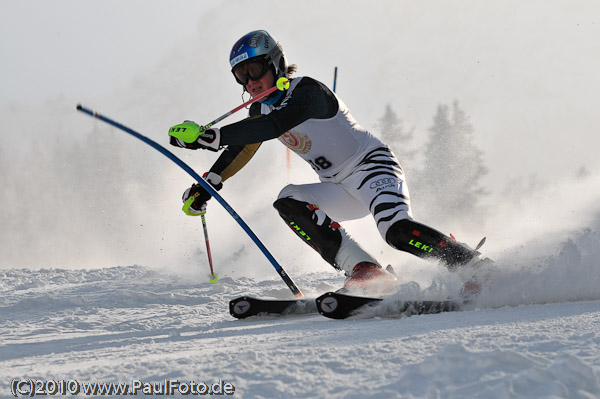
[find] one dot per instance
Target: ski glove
(192, 136)
(195, 197)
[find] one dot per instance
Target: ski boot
(369, 279)
(476, 274)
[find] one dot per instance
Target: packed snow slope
(535, 333)
(103, 279)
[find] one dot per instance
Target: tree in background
(392, 132)
(448, 186)
(582, 173)
(75, 193)
(8, 196)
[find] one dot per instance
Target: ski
(341, 306)
(245, 306)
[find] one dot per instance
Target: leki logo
(299, 231)
(420, 245)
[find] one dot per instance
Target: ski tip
(239, 307)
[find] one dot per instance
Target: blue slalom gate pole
(288, 281)
(334, 78)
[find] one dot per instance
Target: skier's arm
(229, 163)
(310, 99)
(234, 158)
(231, 160)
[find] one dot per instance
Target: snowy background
(104, 278)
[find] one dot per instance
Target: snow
(125, 324)
(534, 332)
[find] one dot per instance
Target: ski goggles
(254, 69)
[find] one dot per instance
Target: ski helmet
(259, 44)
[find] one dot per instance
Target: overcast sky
(525, 72)
(73, 47)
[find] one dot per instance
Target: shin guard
(313, 226)
(425, 242)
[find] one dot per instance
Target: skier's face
(255, 87)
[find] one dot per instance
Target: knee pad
(295, 192)
(425, 242)
(312, 225)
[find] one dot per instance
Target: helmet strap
(244, 91)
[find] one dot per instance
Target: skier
(358, 173)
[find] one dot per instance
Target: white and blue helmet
(259, 45)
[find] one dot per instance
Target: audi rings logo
(386, 181)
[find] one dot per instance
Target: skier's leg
(425, 242)
(303, 209)
(380, 184)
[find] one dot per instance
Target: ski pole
(213, 276)
(284, 276)
(282, 83)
